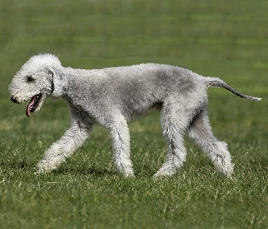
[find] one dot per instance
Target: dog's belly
(138, 110)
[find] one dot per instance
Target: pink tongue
(28, 109)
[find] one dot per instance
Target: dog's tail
(216, 82)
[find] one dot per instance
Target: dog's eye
(30, 79)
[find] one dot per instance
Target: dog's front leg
(72, 139)
(121, 146)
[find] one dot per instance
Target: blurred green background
(226, 39)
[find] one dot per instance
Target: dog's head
(35, 81)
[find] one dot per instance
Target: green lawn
(226, 39)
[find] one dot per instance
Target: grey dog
(113, 96)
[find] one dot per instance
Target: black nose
(14, 100)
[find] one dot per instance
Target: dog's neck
(65, 82)
(59, 83)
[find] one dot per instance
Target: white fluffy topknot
(42, 61)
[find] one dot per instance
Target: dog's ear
(55, 77)
(50, 74)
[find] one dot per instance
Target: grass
(216, 38)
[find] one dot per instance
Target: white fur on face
(34, 78)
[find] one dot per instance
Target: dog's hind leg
(200, 131)
(175, 120)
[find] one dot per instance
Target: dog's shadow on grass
(17, 165)
(101, 172)
(26, 166)
(30, 166)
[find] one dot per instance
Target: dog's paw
(43, 168)
(224, 166)
(47, 166)
(165, 172)
(38, 172)
(129, 173)
(126, 172)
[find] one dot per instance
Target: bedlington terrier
(114, 96)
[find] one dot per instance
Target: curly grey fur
(112, 97)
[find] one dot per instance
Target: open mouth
(33, 104)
